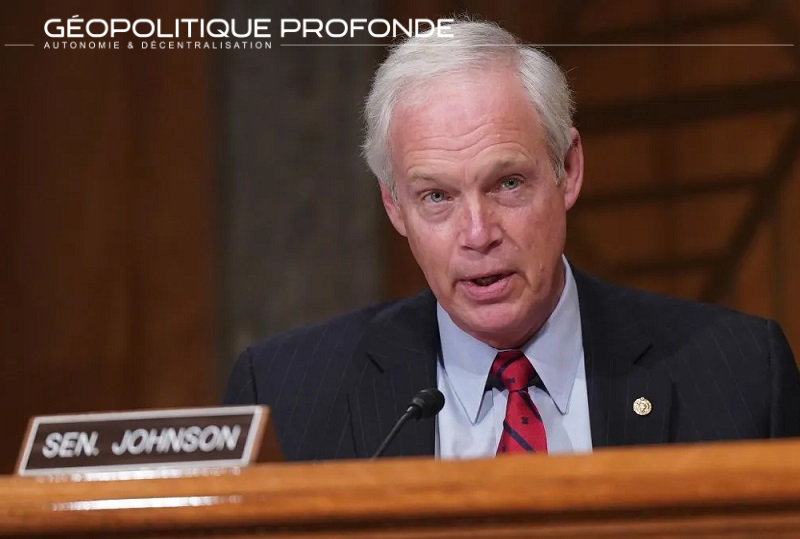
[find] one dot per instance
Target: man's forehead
(452, 90)
(465, 111)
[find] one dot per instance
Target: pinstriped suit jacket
(336, 389)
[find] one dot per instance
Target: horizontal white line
(164, 413)
(537, 44)
(144, 503)
(556, 45)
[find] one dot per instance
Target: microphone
(426, 403)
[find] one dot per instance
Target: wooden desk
(731, 490)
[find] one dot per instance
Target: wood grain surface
(733, 489)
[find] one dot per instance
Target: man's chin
(496, 325)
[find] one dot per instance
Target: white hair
(473, 45)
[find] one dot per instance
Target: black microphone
(426, 403)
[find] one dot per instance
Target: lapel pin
(642, 406)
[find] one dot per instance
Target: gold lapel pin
(642, 406)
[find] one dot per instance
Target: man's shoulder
(318, 357)
(664, 313)
(345, 329)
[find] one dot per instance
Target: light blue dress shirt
(470, 424)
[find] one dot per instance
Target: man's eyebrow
(511, 161)
(504, 165)
(420, 177)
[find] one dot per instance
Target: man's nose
(480, 229)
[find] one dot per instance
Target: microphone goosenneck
(425, 404)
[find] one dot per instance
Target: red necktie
(523, 430)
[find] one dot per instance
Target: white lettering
(59, 28)
(132, 442)
(208, 439)
(115, 30)
(167, 440)
(73, 32)
(87, 444)
(442, 28)
(189, 25)
(146, 21)
(190, 439)
(68, 443)
(230, 437)
(96, 21)
(51, 445)
(138, 441)
(355, 25)
(249, 28)
(406, 31)
(338, 21)
(306, 31)
(224, 33)
(152, 436)
(284, 29)
(430, 30)
(160, 34)
(379, 21)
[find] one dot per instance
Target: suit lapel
(398, 358)
(621, 367)
(399, 352)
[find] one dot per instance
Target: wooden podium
(747, 489)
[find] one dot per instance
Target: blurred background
(162, 209)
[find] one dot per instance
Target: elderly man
(471, 138)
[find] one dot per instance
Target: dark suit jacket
(336, 389)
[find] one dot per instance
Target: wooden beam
(667, 193)
(764, 200)
(564, 27)
(665, 266)
(784, 26)
(662, 31)
(668, 110)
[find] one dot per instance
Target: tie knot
(513, 369)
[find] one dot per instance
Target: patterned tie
(523, 430)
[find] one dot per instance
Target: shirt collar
(555, 352)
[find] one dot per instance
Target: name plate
(147, 440)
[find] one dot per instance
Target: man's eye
(510, 183)
(435, 197)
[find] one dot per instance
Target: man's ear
(393, 210)
(573, 170)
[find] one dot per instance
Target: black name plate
(143, 440)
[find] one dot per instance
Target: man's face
(478, 201)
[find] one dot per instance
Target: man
(471, 138)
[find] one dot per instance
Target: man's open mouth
(489, 279)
